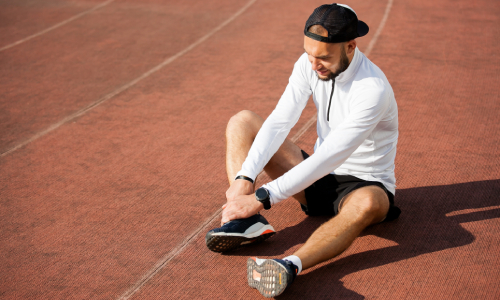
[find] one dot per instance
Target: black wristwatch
(262, 195)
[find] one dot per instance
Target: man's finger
(228, 217)
(225, 217)
(225, 220)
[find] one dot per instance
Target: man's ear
(351, 46)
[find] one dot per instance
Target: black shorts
(324, 196)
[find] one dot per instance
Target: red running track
(114, 202)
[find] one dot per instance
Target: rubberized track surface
(115, 200)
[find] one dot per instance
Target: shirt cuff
(272, 194)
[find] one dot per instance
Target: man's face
(328, 60)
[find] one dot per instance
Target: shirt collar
(352, 69)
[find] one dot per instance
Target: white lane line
(203, 227)
(374, 39)
(128, 85)
(167, 258)
(57, 25)
(162, 263)
(366, 52)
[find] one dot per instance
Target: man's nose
(315, 64)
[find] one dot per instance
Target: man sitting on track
(349, 176)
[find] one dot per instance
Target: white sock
(296, 261)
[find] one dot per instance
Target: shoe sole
(224, 243)
(274, 277)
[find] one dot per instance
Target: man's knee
(244, 120)
(245, 117)
(369, 203)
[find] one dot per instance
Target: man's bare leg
(240, 134)
(360, 208)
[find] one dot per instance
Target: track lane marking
(374, 39)
(126, 86)
(167, 258)
(57, 25)
(163, 262)
(186, 242)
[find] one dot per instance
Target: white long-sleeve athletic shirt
(359, 139)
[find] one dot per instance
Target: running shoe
(270, 276)
(239, 232)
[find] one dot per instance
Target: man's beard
(343, 65)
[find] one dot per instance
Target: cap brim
(362, 28)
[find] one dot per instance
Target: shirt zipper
(330, 103)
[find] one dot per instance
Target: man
(349, 176)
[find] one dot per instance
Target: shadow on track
(426, 225)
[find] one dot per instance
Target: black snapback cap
(339, 20)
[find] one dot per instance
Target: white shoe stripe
(253, 231)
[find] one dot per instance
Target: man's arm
(278, 125)
(367, 110)
(268, 140)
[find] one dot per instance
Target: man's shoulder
(303, 59)
(304, 64)
(371, 77)
(370, 85)
(302, 74)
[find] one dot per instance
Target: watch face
(261, 194)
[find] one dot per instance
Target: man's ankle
(296, 261)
